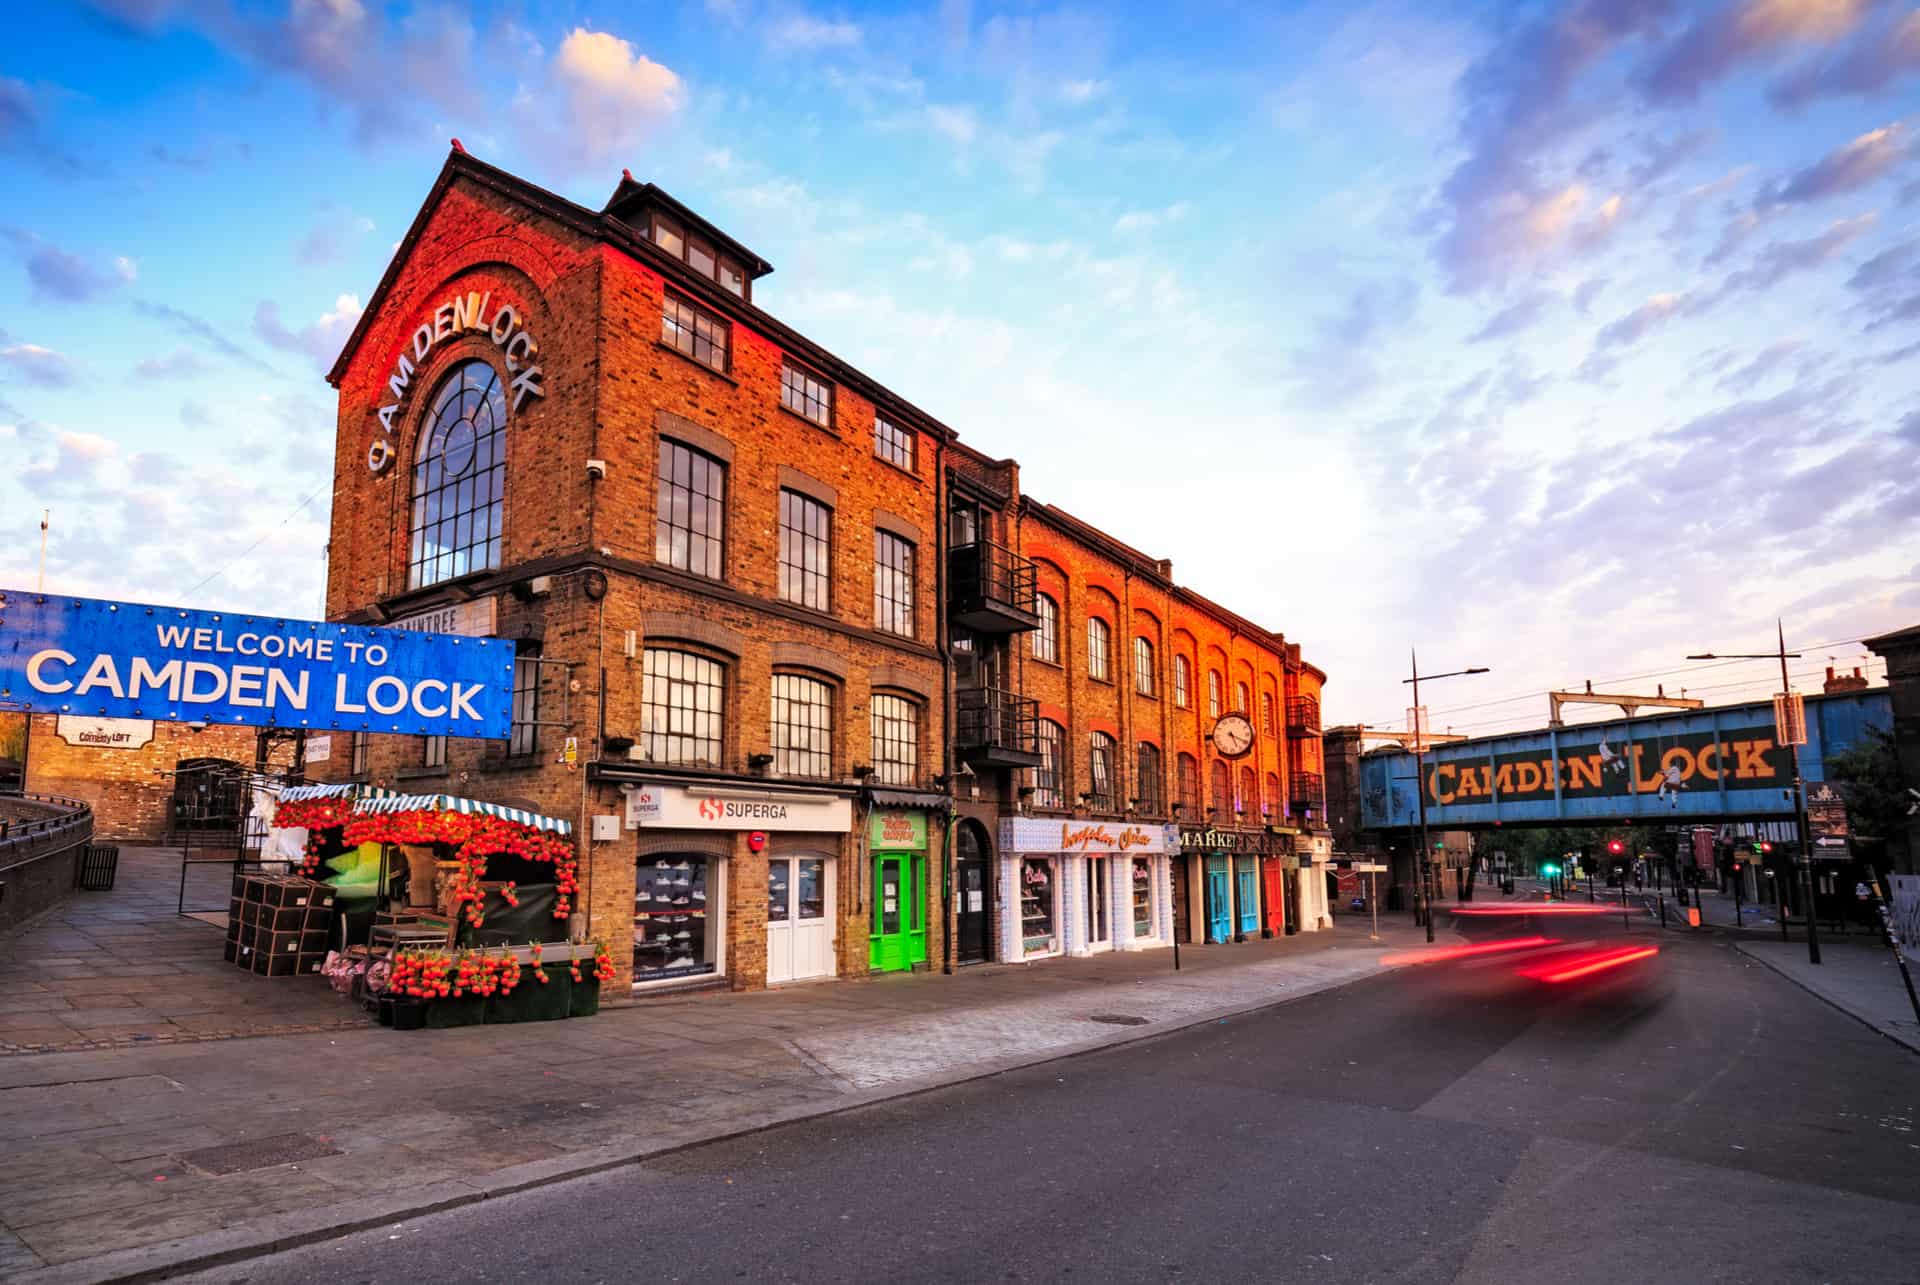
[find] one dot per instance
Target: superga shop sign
(475, 312)
(679, 807)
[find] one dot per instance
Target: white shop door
(799, 928)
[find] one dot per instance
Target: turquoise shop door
(1246, 884)
(1219, 903)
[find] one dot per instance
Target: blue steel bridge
(1716, 764)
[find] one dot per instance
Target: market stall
(443, 910)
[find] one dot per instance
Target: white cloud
(613, 94)
(802, 31)
(1147, 220)
(1082, 91)
(957, 124)
(320, 340)
(36, 365)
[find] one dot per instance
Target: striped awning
(387, 802)
(329, 790)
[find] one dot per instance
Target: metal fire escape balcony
(996, 728)
(1307, 793)
(1303, 716)
(990, 589)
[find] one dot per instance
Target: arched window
(1213, 693)
(1189, 785)
(1049, 778)
(1100, 774)
(1271, 804)
(1182, 682)
(1046, 639)
(1150, 785)
(1099, 650)
(896, 739)
(1242, 699)
(1217, 781)
(682, 708)
(459, 478)
(802, 726)
(1266, 713)
(1143, 666)
(1249, 800)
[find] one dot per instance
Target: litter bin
(99, 862)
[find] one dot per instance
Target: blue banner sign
(128, 660)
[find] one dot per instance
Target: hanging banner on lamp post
(85, 656)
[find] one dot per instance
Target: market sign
(462, 314)
(129, 660)
(693, 807)
(1036, 834)
(1208, 838)
(898, 830)
(103, 733)
(1746, 758)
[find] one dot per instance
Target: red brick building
(772, 619)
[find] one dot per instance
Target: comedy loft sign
(471, 313)
(1742, 759)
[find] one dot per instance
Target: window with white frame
(689, 523)
(1099, 650)
(682, 708)
(802, 726)
(1213, 693)
(1046, 639)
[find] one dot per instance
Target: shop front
(1236, 888)
(1314, 876)
(736, 881)
(897, 847)
(1074, 887)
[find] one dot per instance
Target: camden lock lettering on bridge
(462, 314)
(62, 655)
(1747, 757)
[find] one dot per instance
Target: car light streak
(1556, 908)
(1441, 953)
(1589, 964)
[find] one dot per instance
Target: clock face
(1233, 736)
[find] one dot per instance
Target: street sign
(62, 655)
(1369, 867)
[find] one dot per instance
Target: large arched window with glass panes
(459, 478)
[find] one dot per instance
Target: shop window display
(1036, 904)
(1142, 897)
(675, 928)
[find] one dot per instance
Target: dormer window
(700, 256)
(667, 236)
(733, 278)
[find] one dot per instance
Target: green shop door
(899, 912)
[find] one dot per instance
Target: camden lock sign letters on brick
(462, 314)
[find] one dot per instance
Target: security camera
(597, 469)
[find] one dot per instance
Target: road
(1704, 1120)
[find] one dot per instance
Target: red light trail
(1556, 908)
(1589, 964)
(1441, 953)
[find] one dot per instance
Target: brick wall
(131, 791)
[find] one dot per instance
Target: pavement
(1860, 980)
(135, 1157)
(1693, 1119)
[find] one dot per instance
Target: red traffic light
(1766, 847)
(1615, 846)
(1736, 867)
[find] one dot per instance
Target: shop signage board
(692, 807)
(103, 733)
(62, 655)
(319, 749)
(898, 830)
(1207, 838)
(476, 619)
(1054, 834)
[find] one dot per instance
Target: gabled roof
(632, 192)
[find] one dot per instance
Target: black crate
(233, 950)
(282, 919)
(288, 965)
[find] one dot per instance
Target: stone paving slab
(94, 1185)
(1857, 979)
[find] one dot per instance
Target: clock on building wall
(1233, 736)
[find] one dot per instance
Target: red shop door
(1276, 878)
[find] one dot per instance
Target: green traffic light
(1549, 869)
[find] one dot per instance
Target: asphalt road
(1700, 1120)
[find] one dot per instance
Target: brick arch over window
(514, 271)
(1249, 797)
(1270, 804)
(1219, 797)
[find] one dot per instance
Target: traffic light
(1616, 847)
(1549, 869)
(1736, 867)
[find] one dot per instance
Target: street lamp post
(1799, 788)
(1427, 882)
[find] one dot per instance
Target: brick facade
(130, 790)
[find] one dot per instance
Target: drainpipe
(941, 542)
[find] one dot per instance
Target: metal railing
(1306, 792)
(25, 839)
(1303, 716)
(988, 579)
(993, 718)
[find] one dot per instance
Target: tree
(1869, 779)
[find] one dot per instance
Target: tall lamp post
(1793, 737)
(1427, 884)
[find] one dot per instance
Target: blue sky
(1563, 339)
